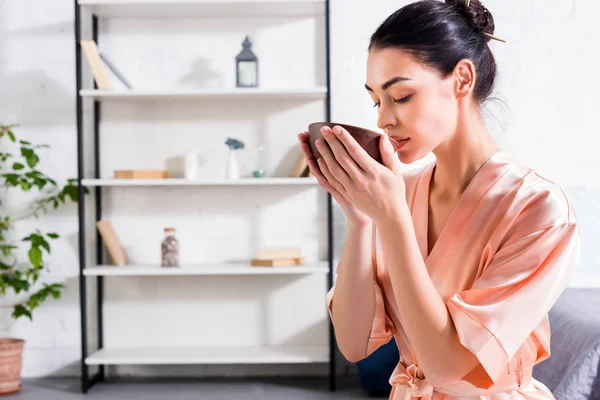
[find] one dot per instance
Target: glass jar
(170, 249)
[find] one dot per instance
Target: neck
(460, 157)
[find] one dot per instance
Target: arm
(426, 319)
(353, 305)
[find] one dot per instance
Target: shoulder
(534, 202)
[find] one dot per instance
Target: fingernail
(319, 143)
(337, 130)
(325, 132)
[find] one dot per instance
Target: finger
(314, 169)
(337, 195)
(360, 156)
(388, 154)
(303, 137)
(321, 179)
(337, 185)
(316, 172)
(307, 151)
(341, 154)
(332, 163)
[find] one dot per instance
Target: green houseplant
(22, 258)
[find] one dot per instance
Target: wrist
(360, 225)
(397, 215)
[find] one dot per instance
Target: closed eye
(399, 101)
(403, 100)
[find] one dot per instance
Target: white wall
(546, 80)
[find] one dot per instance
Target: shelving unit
(186, 182)
(208, 269)
(231, 94)
(191, 8)
(126, 355)
(212, 355)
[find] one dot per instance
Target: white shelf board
(310, 181)
(317, 93)
(210, 355)
(585, 280)
(202, 8)
(207, 269)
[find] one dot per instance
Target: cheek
(431, 118)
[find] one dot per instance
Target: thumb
(388, 154)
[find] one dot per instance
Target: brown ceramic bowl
(367, 139)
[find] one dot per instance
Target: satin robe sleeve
(382, 328)
(524, 277)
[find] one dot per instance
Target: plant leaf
(25, 185)
(32, 159)
(35, 256)
(20, 311)
(44, 244)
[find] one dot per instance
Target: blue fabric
(374, 371)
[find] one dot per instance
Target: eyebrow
(389, 83)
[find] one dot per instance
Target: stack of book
(278, 257)
(141, 174)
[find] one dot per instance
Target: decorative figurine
(246, 66)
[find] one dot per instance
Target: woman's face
(416, 106)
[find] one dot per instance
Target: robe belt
(413, 378)
(416, 385)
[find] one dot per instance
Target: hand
(374, 189)
(354, 216)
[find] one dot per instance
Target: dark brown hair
(441, 34)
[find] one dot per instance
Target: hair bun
(476, 14)
(481, 17)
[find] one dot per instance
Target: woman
(462, 259)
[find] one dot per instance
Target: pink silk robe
(505, 255)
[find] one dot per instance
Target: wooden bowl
(367, 139)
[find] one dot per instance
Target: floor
(288, 389)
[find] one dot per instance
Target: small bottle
(170, 249)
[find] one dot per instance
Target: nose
(386, 117)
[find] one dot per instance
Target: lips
(400, 141)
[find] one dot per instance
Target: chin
(409, 156)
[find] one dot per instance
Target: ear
(464, 78)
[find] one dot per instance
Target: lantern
(247, 66)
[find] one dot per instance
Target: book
(300, 167)
(274, 253)
(141, 174)
(90, 50)
(112, 242)
(278, 262)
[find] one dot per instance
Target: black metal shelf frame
(87, 381)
